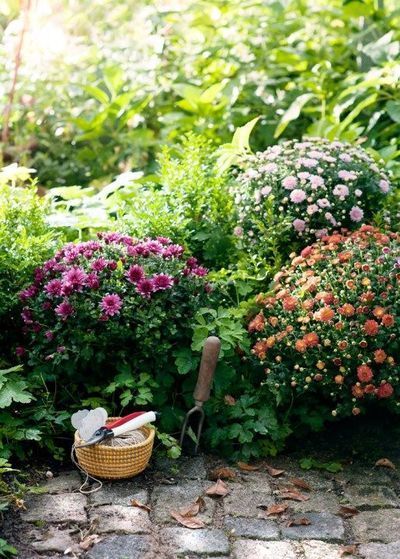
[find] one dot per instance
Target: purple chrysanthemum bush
(302, 190)
(111, 305)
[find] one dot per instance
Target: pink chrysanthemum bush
(302, 190)
(328, 337)
(108, 315)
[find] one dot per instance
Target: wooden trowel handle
(209, 359)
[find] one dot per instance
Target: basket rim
(149, 430)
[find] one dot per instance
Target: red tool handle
(123, 420)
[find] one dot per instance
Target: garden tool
(116, 428)
(201, 393)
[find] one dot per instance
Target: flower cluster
(113, 279)
(332, 322)
(314, 185)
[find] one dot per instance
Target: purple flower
(297, 195)
(60, 349)
(299, 225)
(93, 281)
(99, 264)
(111, 304)
(38, 275)
(19, 351)
(54, 288)
(75, 277)
(162, 282)
(173, 251)
(191, 262)
(356, 214)
(49, 335)
(135, 273)
(27, 316)
(199, 271)
(112, 265)
(64, 310)
(28, 293)
(145, 287)
(164, 240)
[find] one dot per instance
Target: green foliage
(311, 463)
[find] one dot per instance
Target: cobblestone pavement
(59, 519)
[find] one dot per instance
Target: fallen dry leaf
(300, 483)
(385, 463)
(275, 509)
(348, 550)
(139, 505)
(219, 489)
(247, 467)
(222, 473)
(293, 495)
(298, 522)
(273, 471)
(347, 511)
(194, 508)
(89, 541)
(188, 521)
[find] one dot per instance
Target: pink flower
(307, 162)
(323, 203)
(329, 217)
(238, 231)
(270, 168)
(49, 335)
(289, 182)
(315, 154)
(316, 181)
(145, 287)
(356, 214)
(312, 208)
(135, 273)
(99, 265)
(384, 186)
(111, 304)
(162, 282)
(299, 225)
(321, 233)
(75, 277)
(304, 175)
(54, 288)
(200, 271)
(266, 190)
(347, 175)
(92, 281)
(345, 157)
(341, 190)
(297, 195)
(64, 310)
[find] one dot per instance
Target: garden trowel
(201, 393)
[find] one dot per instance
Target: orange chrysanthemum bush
(328, 337)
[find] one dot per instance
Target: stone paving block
(121, 547)
(120, 493)
(173, 497)
(314, 549)
(368, 475)
(252, 528)
(371, 496)
(254, 549)
(318, 502)
(54, 540)
(183, 540)
(66, 482)
(378, 525)
(324, 526)
(380, 550)
(188, 467)
(120, 519)
(318, 479)
(68, 507)
(256, 481)
(243, 502)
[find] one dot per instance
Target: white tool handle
(135, 423)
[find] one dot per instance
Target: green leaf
(292, 113)
(356, 111)
(97, 93)
(184, 361)
(393, 110)
(241, 137)
(14, 391)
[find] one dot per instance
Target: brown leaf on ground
(273, 471)
(139, 505)
(349, 549)
(293, 495)
(385, 463)
(347, 511)
(275, 509)
(222, 473)
(247, 467)
(301, 483)
(194, 508)
(188, 521)
(298, 522)
(219, 489)
(89, 541)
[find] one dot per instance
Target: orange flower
(289, 303)
(311, 339)
(385, 390)
(343, 345)
(270, 342)
(308, 304)
(378, 312)
(347, 310)
(273, 320)
(324, 315)
(367, 297)
(257, 324)
(388, 320)
(339, 379)
(350, 284)
(324, 296)
(300, 346)
(357, 391)
(339, 325)
(371, 327)
(379, 356)
(369, 389)
(260, 349)
(364, 373)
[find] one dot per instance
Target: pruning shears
(120, 426)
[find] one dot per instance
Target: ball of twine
(126, 439)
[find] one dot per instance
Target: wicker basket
(116, 462)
